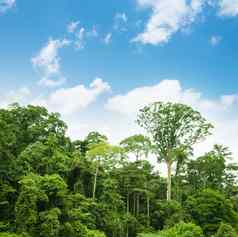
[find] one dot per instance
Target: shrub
(179, 230)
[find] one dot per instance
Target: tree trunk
(134, 204)
(95, 181)
(148, 209)
(127, 212)
(127, 203)
(138, 204)
(169, 167)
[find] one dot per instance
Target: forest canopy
(52, 186)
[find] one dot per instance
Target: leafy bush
(179, 230)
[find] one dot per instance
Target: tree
(210, 170)
(172, 127)
(106, 155)
(208, 208)
(139, 145)
(23, 126)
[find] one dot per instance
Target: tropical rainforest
(52, 186)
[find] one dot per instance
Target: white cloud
(6, 5)
(71, 100)
(228, 8)
(215, 40)
(80, 37)
(167, 18)
(137, 98)
(47, 62)
(72, 26)
(120, 21)
(108, 38)
(222, 112)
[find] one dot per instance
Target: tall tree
(104, 154)
(172, 127)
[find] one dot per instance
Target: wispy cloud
(215, 40)
(108, 38)
(6, 5)
(47, 63)
(72, 26)
(80, 38)
(80, 35)
(120, 21)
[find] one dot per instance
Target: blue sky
(108, 58)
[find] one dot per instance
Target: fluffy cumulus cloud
(167, 18)
(221, 111)
(71, 100)
(47, 63)
(171, 16)
(6, 5)
(67, 101)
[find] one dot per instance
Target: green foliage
(139, 145)
(166, 214)
(182, 230)
(210, 170)
(209, 208)
(95, 233)
(53, 187)
(5, 234)
(226, 230)
(174, 128)
(179, 230)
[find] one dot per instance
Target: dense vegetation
(51, 186)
